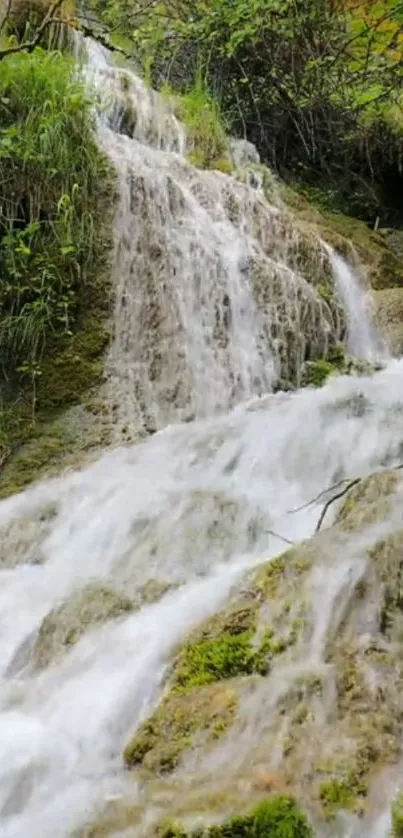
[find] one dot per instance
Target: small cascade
(363, 340)
(105, 571)
(219, 294)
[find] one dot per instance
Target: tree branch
(29, 46)
(335, 497)
(5, 18)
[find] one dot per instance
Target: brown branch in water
(336, 497)
(281, 537)
(318, 497)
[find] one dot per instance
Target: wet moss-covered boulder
(293, 687)
(63, 627)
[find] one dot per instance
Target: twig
(318, 497)
(29, 46)
(333, 498)
(5, 18)
(281, 537)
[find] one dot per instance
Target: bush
(55, 191)
(315, 85)
(277, 817)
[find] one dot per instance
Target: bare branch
(335, 497)
(319, 496)
(281, 537)
(29, 46)
(5, 18)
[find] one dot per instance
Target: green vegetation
(55, 233)
(215, 659)
(316, 85)
(206, 128)
(397, 817)
(317, 372)
(345, 793)
(277, 817)
(181, 722)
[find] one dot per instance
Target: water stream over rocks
(218, 293)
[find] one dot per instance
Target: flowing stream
(195, 504)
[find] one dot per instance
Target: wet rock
(22, 537)
(325, 622)
(388, 305)
(65, 625)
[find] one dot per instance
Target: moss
(181, 722)
(368, 501)
(277, 817)
(397, 817)
(215, 659)
(383, 266)
(316, 372)
(345, 793)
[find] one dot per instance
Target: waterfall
(363, 340)
(215, 298)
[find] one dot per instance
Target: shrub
(54, 202)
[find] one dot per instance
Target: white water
(363, 341)
(192, 506)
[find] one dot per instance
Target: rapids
(199, 501)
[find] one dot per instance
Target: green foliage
(55, 212)
(316, 85)
(339, 793)
(317, 372)
(207, 137)
(397, 817)
(214, 659)
(277, 817)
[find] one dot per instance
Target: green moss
(214, 659)
(181, 722)
(317, 372)
(277, 817)
(397, 817)
(368, 501)
(383, 266)
(336, 794)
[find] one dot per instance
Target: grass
(56, 199)
(206, 128)
(277, 817)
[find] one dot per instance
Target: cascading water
(188, 510)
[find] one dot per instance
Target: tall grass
(54, 200)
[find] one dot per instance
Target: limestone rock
(65, 625)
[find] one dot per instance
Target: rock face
(293, 688)
(64, 626)
(388, 306)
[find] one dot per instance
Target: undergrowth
(206, 127)
(277, 817)
(55, 221)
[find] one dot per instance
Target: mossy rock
(277, 817)
(180, 723)
(65, 625)
(348, 235)
(368, 501)
(22, 536)
(388, 316)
